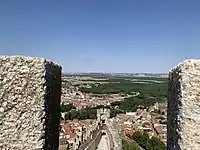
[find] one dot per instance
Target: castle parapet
(183, 123)
(30, 90)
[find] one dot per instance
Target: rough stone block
(183, 116)
(30, 90)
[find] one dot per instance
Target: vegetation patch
(146, 142)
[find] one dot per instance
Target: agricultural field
(150, 90)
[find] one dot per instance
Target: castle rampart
(30, 90)
(183, 127)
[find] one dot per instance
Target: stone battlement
(30, 90)
(184, 106)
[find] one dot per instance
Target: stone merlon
(183, 123)
(30, 90)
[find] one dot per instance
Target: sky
(132, 36)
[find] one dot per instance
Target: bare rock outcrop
(30, 90)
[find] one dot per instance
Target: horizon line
(115, 73)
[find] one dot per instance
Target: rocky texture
(30, 90)
(113, 134)
(183, 126)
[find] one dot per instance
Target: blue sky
(102, 35)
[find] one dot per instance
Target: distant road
(134, 95)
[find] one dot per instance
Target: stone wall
(94, 142)
(116, 141)
(30, 90)
(112, 146)
(183, 124)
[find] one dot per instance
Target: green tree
(129, 145)
(147, 143)
(156, 144)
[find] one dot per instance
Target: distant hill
(155, 75)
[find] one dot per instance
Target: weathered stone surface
(30, 90)
(183, 126)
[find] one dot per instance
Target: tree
(147, 143)
(156, 144)
(129, 145)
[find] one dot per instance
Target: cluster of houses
(86, 100)
(141, 121)
(76, 134)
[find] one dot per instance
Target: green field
(150, 91)
(127, 86)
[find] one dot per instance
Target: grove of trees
(144, 141)
(85, 113)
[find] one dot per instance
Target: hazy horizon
(115, 72)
